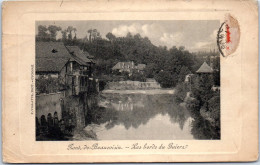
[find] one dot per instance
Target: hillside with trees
(167, 66)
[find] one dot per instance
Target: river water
(139, 115)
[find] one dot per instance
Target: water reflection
(139, 117)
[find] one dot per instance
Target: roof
(75, 50)
(205, 68)
(150, 80)
(88, 55)
(141, 66)
(51, 56)
(78, 60)
(121, 65)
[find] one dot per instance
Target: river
(139, 115)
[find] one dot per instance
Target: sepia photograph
(127, 80)
(130, 81)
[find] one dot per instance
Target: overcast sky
(194, 35)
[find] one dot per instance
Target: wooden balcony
(80, 84)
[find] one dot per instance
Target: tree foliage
(47, 33)
(166, 79)
(167, 66)
(53, 31)
(137, 76)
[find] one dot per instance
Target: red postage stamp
(228, 36)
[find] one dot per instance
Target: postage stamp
(228, 36)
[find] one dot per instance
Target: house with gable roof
(204, 69)
(68, 64)
(128, 67)
(124, 66)
(72, 69)
(79, 63)
(51, 59)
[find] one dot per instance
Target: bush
(194, 107)
(183, 72)
(48, 85)
(181, 92)
(125, 75)
(137, 76)
(201, 88)
(214, 108)
(165, 79)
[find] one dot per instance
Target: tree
(68, 39)
(90, 34)
(150, 70)
(201, 88)
(183, 72)
(75, 34)
(165, 78)
(69, 30)
(42, 33)
(98, 36)
(53, 31)
(137, 36)
(94, 34)
(110, 36)
(181, 48)
(137, 76)
(64, 35)
(129, 35)
(181, 92)
(214, 109)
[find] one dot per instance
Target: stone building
(64, 80)
(128, 67)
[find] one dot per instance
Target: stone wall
(49, 103)
(74, 110)
(71, 108)
(132, 85)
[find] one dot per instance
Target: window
(54, 51)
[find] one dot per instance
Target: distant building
(140, 67)
(188, 78)
(128, 67)
(124, 66)
(134, 85)
(151, 83)
(204, 68)
(205, 72)
(150, 80)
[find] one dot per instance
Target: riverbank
(204, 106)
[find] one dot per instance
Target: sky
(195, 35)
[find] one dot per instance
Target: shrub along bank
(203, 104)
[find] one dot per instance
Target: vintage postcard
(132, 81)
